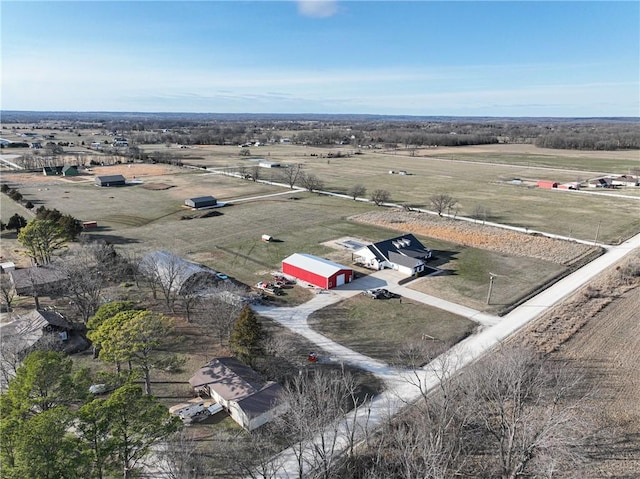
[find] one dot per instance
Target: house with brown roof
(249, 400)
(43, 280)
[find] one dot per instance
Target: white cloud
(317, 8)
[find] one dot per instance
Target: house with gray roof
(240, 390)
(404, 253)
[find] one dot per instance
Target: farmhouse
(201, 202)
(178, 274)
(317, 271)
(110, 180)
(603, 182)
(40, 280)
(547, 184)
(249, 400)
(404, 253)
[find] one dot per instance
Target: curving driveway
(404, 386)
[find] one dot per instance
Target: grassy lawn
(384, 329)
(466, 278)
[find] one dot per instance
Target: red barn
(317, 271)
(547, 184)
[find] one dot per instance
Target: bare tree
(163, 272)
(221, 308)
(256, 171)
(380, 196)
(7, 291)
(256, 456)
(442, 202)
(527, 411)
(85, 281)
(481, 213)
(291, 173)
(312, 426)
(311, 182)
(356, 191)
(180, 458)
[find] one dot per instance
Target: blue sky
(379, 57)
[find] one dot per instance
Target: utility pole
(595, 241)
(491, 278)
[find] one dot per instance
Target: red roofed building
(317, 271)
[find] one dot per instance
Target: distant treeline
(354, 130)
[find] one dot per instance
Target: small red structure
(89, 224)
(547, 184)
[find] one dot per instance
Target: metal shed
(317, 271)
(201, 202)
(111, 180)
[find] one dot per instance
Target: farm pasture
(485, 180)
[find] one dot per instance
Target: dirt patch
(134, 170)
(563, 322)
(478, 236)
(156, 186)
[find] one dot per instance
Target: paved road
(401, 388)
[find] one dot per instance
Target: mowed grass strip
(385, 329)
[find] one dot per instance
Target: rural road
(402, 385)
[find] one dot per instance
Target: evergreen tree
(246, 338)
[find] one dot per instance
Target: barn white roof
(320, 266)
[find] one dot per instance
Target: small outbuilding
(201, 202)
(7, 266)
(70, 170)
(319, 272)
(111, 180)
(52, 170)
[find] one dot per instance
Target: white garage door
(340, 280)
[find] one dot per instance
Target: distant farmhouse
(250, 401)
(404, 253)
(111, 180)
(201, 202)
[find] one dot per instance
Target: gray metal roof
(177, 272)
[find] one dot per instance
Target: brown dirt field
(478, 236)
(129, 171)
(136, 170)
(597, 330)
